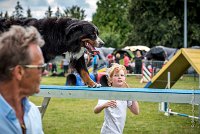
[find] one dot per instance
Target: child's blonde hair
(112, 69)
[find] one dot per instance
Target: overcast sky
(38, 7)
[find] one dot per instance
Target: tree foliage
(1, 15)
(75, 12)
(111, 19)
(49, 12)
(161, 22)
(6, 16)
(29, 15)
(18, 12)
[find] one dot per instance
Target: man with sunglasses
(21, 68)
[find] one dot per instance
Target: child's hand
(111, 104)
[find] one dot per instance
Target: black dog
(64, 35)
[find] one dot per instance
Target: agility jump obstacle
(139, 94)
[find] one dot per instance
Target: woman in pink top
(126, 61)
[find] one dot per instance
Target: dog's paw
(96, 85)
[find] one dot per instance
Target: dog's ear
(71, 28)
(74, 26)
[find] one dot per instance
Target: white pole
(164, 106)
(168, 87)
(168, 80)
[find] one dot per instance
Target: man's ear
(18, 72)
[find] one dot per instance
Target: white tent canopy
(134, 48)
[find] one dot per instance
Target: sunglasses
(39, 67)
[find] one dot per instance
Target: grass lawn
(75, 116)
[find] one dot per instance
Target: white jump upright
(165, 106)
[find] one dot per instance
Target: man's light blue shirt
(10, 124)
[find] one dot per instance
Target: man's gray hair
(14, 48)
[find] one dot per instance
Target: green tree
(161, 23)
(1, 15)
(6, 16)
(75, 12)
(29, 13)
(111, 19)
(18, 13)
(49, 12)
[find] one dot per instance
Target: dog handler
(21, 67)
(115, 110)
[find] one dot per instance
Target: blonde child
(115, 110)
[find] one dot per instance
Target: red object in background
(50, 66)
(110, 56)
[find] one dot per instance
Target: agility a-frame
(172, 71)
(177, 66)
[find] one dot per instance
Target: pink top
(126, 61)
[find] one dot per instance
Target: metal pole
(185, 23)
(168, 80)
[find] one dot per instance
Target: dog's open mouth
(90, 47)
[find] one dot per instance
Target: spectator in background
(126, 62)
(138, 62)
(117, 59)
(54, 68)
(49, 66)
(21, 68)
(65, 64)
(95, 63)
(111, 59)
